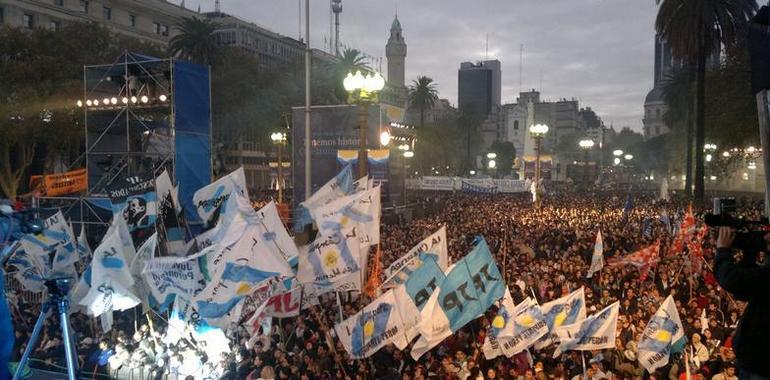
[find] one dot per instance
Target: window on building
(28, 21)
(516, 125)
(55, 25)
(156, 27)
(59, 2)
(164, 30)
(84, 6)
(107, 13)
(132, 20)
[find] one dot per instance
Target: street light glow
(709, 157)
(79, 103)
(751, 149)
(491, 155)
(616, 161)
(385, 138)
(617, 152)
(473, 172)
(492, 164)
(278, 137)
(586, 144)
(408, 154)
(725, 154)
(629, 157)
(538, 129)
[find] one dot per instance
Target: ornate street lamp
(363, 91)
(586, 145)
(279, 138)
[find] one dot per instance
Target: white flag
(377, 325)
(596, 332)
(664, 334)
(597, 260)
(211, 199)
(361, 209)
(332, 261)
(561, 312)
(399, 270)
(111, 280)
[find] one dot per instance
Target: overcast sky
(598, 51)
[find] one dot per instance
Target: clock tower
(395, 51)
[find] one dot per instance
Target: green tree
(694, 29)
(423, 95)
(677, 94)
(195, 41)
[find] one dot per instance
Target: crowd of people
(542, 253)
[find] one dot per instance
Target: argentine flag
(561, 312)
(596, 332)
(435, 245)
(377, 325)
(502, 321)
(414, 294)
(332, 261)
(111, 285)
(663, 335)
(361, 210)
(597, 260)
(337, 187)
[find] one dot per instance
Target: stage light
(124, 100)
(133, 99)
(114, 101)
(163, 98)
(96, 102)
(385, 138)
(88, 103)
(145, 99)
(106, 101)
(79, 103)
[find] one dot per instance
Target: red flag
(374, 281)
(642, 259)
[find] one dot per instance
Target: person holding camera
(748, 282)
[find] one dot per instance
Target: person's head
(695, 338)
(491, 373)
(730, 369)
(267, 372)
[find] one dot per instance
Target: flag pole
(583, 359)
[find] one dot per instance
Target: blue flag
(424, 280)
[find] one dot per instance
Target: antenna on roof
(486, 53)
(216, 6)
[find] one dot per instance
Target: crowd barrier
(486, 185)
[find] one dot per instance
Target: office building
(479, 87)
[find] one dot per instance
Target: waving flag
(84, 250)
(210, 201)
(470, 288)
(401, 269)
(642, 259)
(415, 292)
(596, 332)
(361, 209)
(522, 326)
(134, 199)
(236, 270)
(332, 261)
(377, 325)
(502, 321)
(167, 276)
(171, 223)
(338, 187)
(663, 335)
(629, 207)
(597, 260)
(111, 281)
(561, 312)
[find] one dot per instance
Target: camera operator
(747, 282)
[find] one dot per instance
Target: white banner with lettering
(456, 184)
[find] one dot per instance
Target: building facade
(395, 92)
(148, 20)
(479, 87)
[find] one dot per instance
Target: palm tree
(423, 95)
(350, 61)
(195, 41)
(695, 29)
(677, 94)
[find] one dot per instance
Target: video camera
(749, 234)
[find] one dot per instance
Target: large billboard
(332, 128)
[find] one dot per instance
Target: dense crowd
(543, 254)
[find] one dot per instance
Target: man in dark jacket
(751, 283)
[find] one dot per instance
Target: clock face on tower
(395, 49)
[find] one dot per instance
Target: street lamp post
(491, 163)
(363, 91)
(537, 132)
(407, 154)
(586, 145)
(279, 138)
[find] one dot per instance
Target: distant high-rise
(654, 105)
(479, 87)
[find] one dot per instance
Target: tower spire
(216, 6)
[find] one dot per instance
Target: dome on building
(654, 96)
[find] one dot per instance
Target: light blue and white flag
(514, 329)
(84, 250)
(338, 187)
(415, 292)
(332, 262)
(597, 260)
(360, 210)
(236, 269)
(111, 281)
(561, 312)
(596, 332)
(377, 325)
(469, 289)
(663, 335)
(164, 277)
(211, 200)
(434, 245)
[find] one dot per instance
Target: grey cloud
(598, 51)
